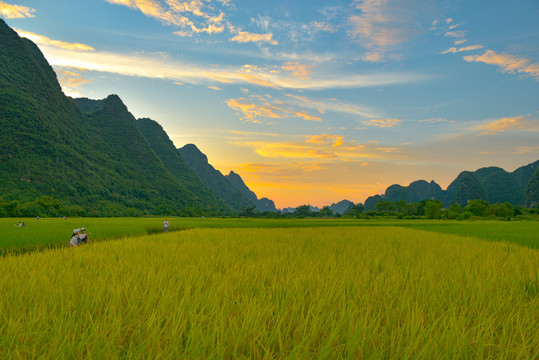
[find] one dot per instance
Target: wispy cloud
(71, 81)
(437, 121)
(323, 139)
(323, 146)
(43, 40)
(383, 123)
(141, 65)
(244, 37)
(509, 124)
(258, 108)
(459, 34)
(521, 150)
(455, 50)
(335, 105)
(195, 17)
(300, 71)
(9, 11)
(382, 25)
(507, 63)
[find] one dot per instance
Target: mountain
(464, 188)
(371, 201)
(174, 163)
(261, 205)
(341, 207)
(213, 178)
(524, 173)
(492, 184)
(92, 162)
(532, 191)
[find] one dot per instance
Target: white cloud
(43, 40)
(157, 67)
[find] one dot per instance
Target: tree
(477, 207)
(504, 210)
(433, 209)
(248, 211)
(453, 211)
(354, 210)
(326, 211)
(303, 211)
(385, 206)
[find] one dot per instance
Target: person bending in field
(75, 238)
(84, 238)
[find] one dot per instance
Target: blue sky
(310, 101)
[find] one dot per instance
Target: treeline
(424, 209)
(47, 206)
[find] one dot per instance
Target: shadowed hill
(213, 178)
(89, 164)
(261, 205)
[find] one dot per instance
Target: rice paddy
(328, 292)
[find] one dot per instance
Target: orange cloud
(257, 80)
(305, 116)
(507, 63)
(301, 71)
(521, 150)
(244, 37)
(174, 14)
(257, 107)
(15, 11)
(503, 125)
(324, 146)
(71, 81)
(251, 111)
(43, 40)
(335, 140)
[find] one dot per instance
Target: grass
(322, 293)
(53, 233)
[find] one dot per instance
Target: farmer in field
(84, 238)
(166, 225)
(74, 238)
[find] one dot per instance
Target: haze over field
(310, 102)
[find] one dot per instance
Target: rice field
(51, 233)
(339, 292)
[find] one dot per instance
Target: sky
(310, 101)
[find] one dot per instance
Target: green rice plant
(320, 293)
(53, 233)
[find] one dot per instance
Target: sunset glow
(310, 102)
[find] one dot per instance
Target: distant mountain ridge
(492, 184)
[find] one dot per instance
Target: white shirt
(74, 240)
